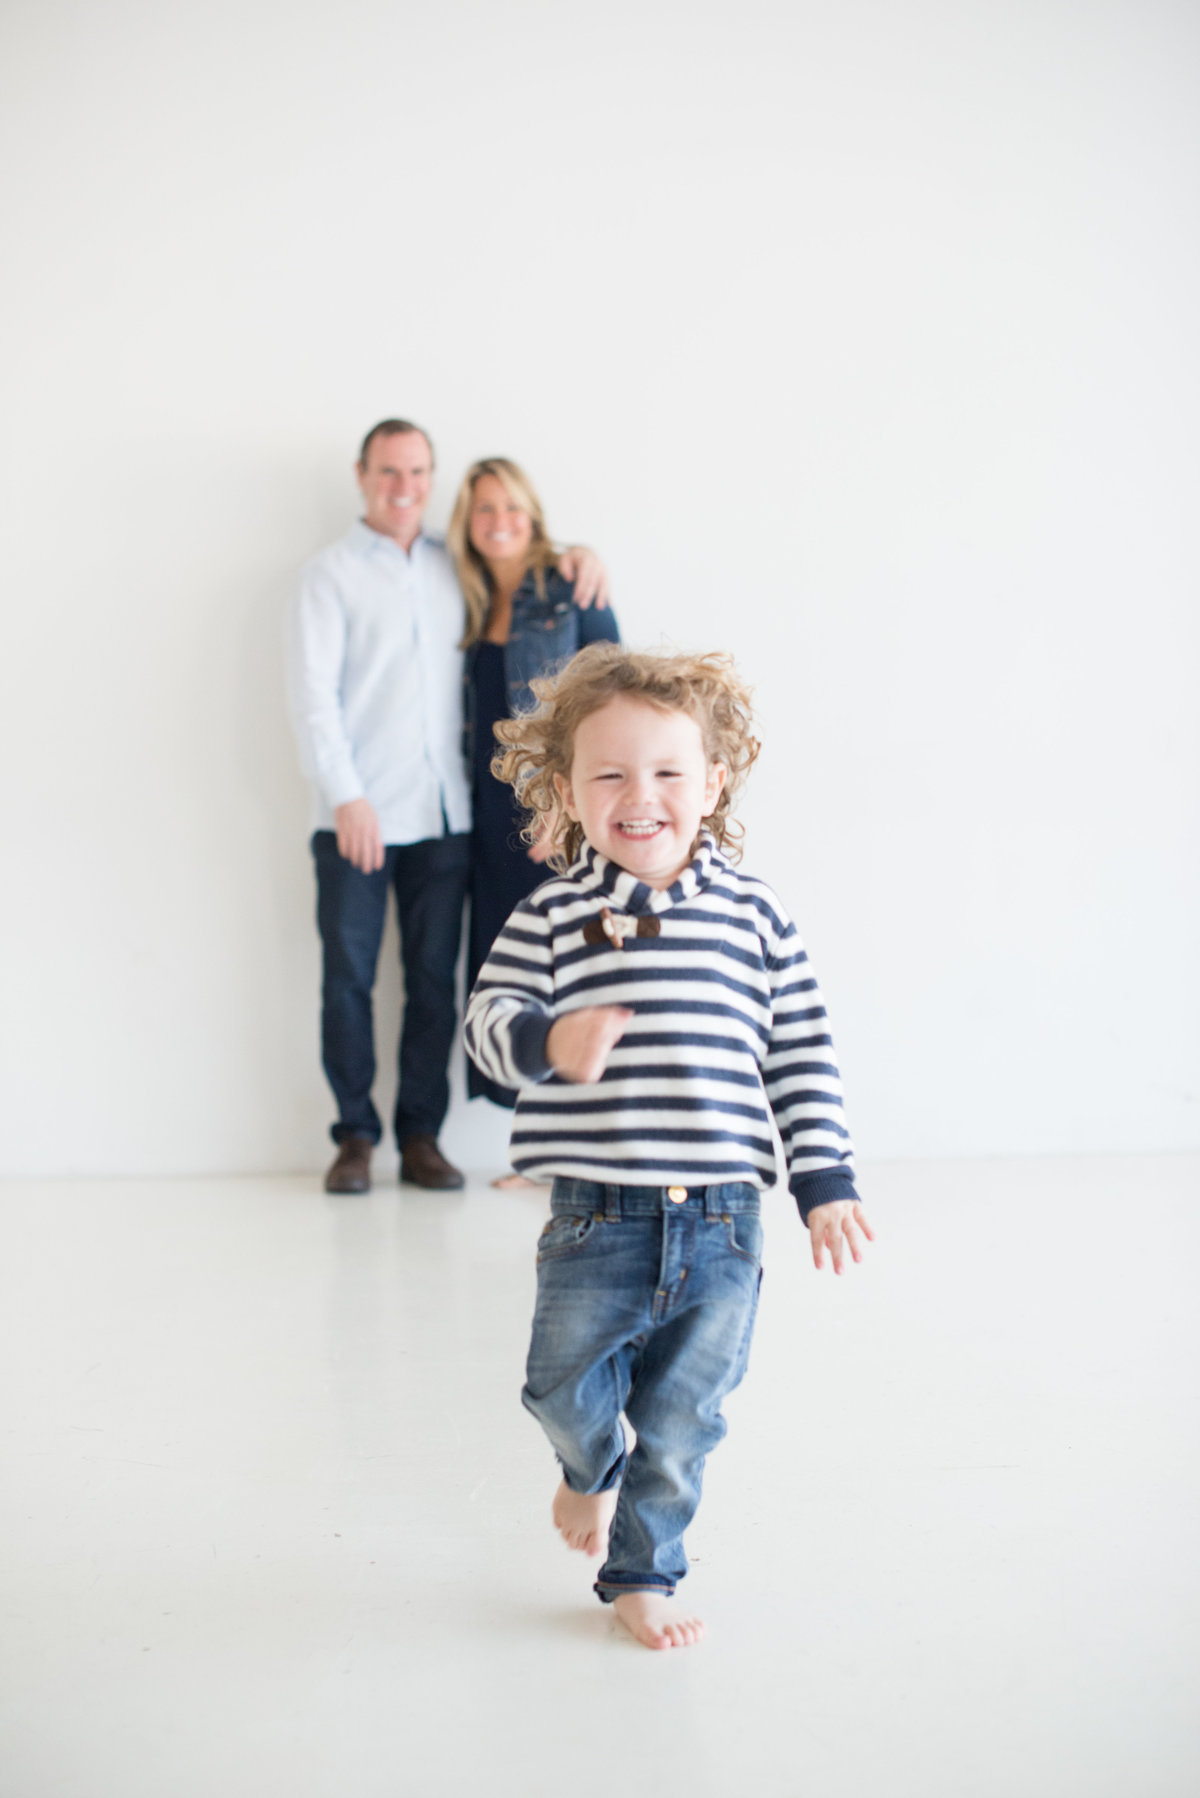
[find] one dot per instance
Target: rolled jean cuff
(608, 1589)
(611, 1479)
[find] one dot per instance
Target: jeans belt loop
(712, 1202)
(612, 1204)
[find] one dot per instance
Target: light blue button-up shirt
(375, 684)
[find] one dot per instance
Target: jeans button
(677, 1194)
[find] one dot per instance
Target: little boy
(654, 1007)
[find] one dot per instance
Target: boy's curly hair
(541, 743)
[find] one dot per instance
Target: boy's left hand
(835, 1227)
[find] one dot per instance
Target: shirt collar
(597, 874)
(369, 542)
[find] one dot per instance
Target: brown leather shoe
(351, 1171)
(423, 1164)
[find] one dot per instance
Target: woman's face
(499, 529)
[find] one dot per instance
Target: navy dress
(547, 629)
(502, 873)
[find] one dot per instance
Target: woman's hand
(542, 846)
(587, 571)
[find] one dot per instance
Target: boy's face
(640, 785)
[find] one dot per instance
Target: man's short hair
(392, 427)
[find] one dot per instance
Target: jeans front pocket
(743, 1234)
(565, 1234)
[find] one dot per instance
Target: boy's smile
(640, 786)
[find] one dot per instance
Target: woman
(522, 621)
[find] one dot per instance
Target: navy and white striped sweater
(729, 1028)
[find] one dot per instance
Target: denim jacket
(544, 633)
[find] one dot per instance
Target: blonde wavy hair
(541, 743)
(472, 570)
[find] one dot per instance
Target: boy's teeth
(640, 830)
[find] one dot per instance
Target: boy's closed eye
(659, 774)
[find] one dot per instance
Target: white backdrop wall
(861, 338)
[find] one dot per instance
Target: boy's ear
(562, 787)
(718, 774)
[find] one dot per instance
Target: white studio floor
(275, 1522)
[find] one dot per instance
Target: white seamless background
(860, 339)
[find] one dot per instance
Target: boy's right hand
(580, 1042)
(833, 1224)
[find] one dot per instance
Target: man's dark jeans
(430, 883)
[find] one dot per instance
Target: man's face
(395, 484)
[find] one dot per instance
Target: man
(375, 682)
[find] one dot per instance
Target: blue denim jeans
(429, 880)
(645, 1304)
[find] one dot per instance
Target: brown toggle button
(612, 930)
(677, 1194)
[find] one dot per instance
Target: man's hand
(358, 836)
(835, 1227)
(580, 1042)
(584, 567)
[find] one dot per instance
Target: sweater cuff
(527, 1039)
(822, 1188)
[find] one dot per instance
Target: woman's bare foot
(513, 1183)
(583, 1519)
(657, 1620)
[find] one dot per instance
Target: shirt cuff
(342, 791)
(822, 1187)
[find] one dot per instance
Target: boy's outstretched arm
(835, 1226)
(511, 1030)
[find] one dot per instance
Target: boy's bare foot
(657, 1620)
(583, 1519)
(513, 1183)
